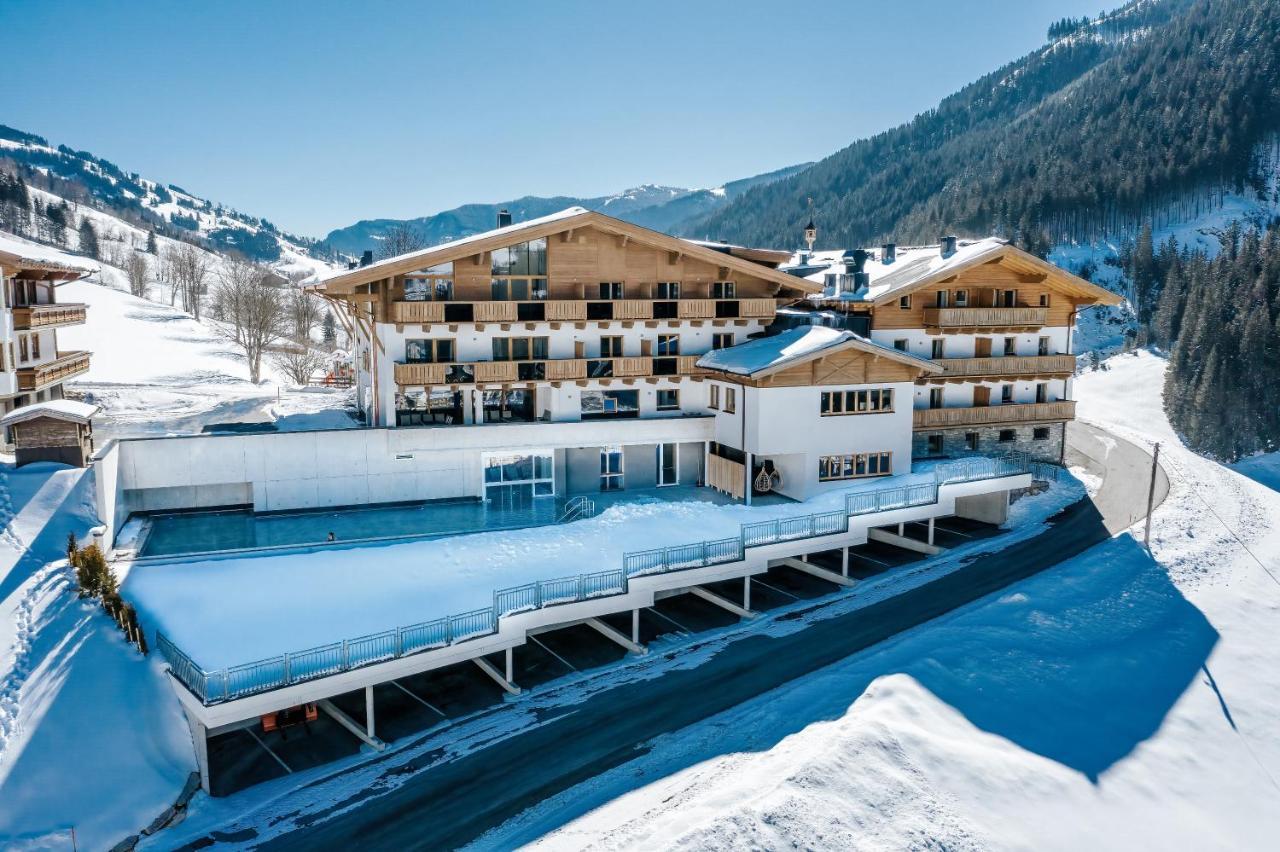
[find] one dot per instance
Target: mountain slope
(663, 208)
(1160, 102)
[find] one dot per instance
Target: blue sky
(317, 114)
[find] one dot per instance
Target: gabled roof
(344, 281)
(59, 409)
(17, 255)
(766, 355)
(917, 267)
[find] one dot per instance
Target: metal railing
(287, 669)
(578, 508)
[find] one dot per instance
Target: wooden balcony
(27, 317)
(964, 318)
(65, 366)
(994, 415)
(578, 311)
(627, 368)
(1031, 366)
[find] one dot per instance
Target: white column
(511, 665)
(844, 561)
(747, 474)
(931, 530)
(368, 711)
(746, 592)
(635, 626)
(200, 741)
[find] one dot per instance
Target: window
(713, 400)
(512, 480)
(668, 344)
(612, 476)
(904, 302)
(668, 465)
(1010, 346)
(668, 290)
(1006, 394)
(962, 298)
(1006, 298)
(722, 340)
(939, 348)
(668, 400)
(941, 299)
(724, 290)
(610, 289)
(935, 444)
(900, 344)
(520, 259)
(730, 400)
(1008, 436)
(503, 406)
(1044, 300)
(35, 347)
(428, 289)
(1043, 347)
(1040, 433)
(935, 397)
(876, 401)
(23, 353)
(610, 404)
(611, 346)
(971, 440)
(429, 351)
(854, 466)
(520, 348)
(1042, 392)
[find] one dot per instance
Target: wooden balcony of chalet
(994, 415)
(969, 319)
(628, 369)
(578, 311)
(1028, 367)
(65, 366)
(27, 317)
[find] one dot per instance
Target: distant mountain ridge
(663, 208)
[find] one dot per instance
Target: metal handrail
(287, 669)
(578, 508)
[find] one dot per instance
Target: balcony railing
(46, 316)
(551, 370)
(991, 415)
(985, 317)
(66, 365)
(1031, 365)
(579, 310)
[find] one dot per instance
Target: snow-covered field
(1118, 701)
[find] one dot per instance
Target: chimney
(504, 218)
(366, 259)
(948, 246)
(888, 252)
(351, 264)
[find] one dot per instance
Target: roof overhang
(1014, 258)
(346, 282)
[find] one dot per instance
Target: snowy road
(487, 786)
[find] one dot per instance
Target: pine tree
(88, 239)
(151, 243)
(329, 330)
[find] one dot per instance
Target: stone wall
(954, 442)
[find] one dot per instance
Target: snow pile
(91, 736)
(1116, 701)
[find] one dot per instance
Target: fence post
(703, 560)
(399, 642)
(581, 587)
(344, 655)
(287, 674)
(226, 684)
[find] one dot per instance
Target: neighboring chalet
(32, 368)
(997, 321)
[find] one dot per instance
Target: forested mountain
(664, 208)
(1163, 103)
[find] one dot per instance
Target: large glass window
(875, 401)
(602, 405)
(668, 344)
(612, 475)
(523, 270)
(854, 466)
(430, 351)
(668, 464)
(668, 290)
(512, 480)
(505, 406)
(520, 348)
(422, 409)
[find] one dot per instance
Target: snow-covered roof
(19, 252)
(61, 409)
(427, 253)
(766, 354)
(911, 265)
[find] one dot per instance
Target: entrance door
(982, 347)
(668, 464)
(981, 396)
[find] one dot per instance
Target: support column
(902, 528)
(747, 474)
(489, 669)
(200, 742)
(931, 530)
(712, 597)
(511, 665)
(746, 592)
(616, 635)
(368, 712)
(635, 626)
(844, 561)
(706, 461)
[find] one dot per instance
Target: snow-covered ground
(91, 736)
(1117, 701)
(1264, 468)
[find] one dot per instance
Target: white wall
(961, 395)
(963, 345)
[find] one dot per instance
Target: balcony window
(600, 368)
(1006, 394)
(941, 299)
(1042, 348)
(724, 290)
(939, 348)
(509, 406)
(668, 400)
(668, 344)
(667, 290)
(612, 474)
(428, 289)
(421, 409)
(1042, 392)
(428, 351)
(962, 298)
(904, 302)
(611, 346)
(610, 404)
(1010, 346)
(610, 290)
(722, 341)
(873, 401)
(935, 397)
(520, 348)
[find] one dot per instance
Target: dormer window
(904, 302)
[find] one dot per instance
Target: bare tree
(189, 267)
(255, 312)
(304, 315)
(299, 362)
(401, 239)
(138, 274)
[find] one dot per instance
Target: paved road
(454, 803)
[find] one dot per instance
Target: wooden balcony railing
(579, 310)
(1018, 365)
(551, 370)
(44, 316)
(66, 365)
(992, 415)
(985, 317)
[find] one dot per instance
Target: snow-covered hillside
(1117, 701)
